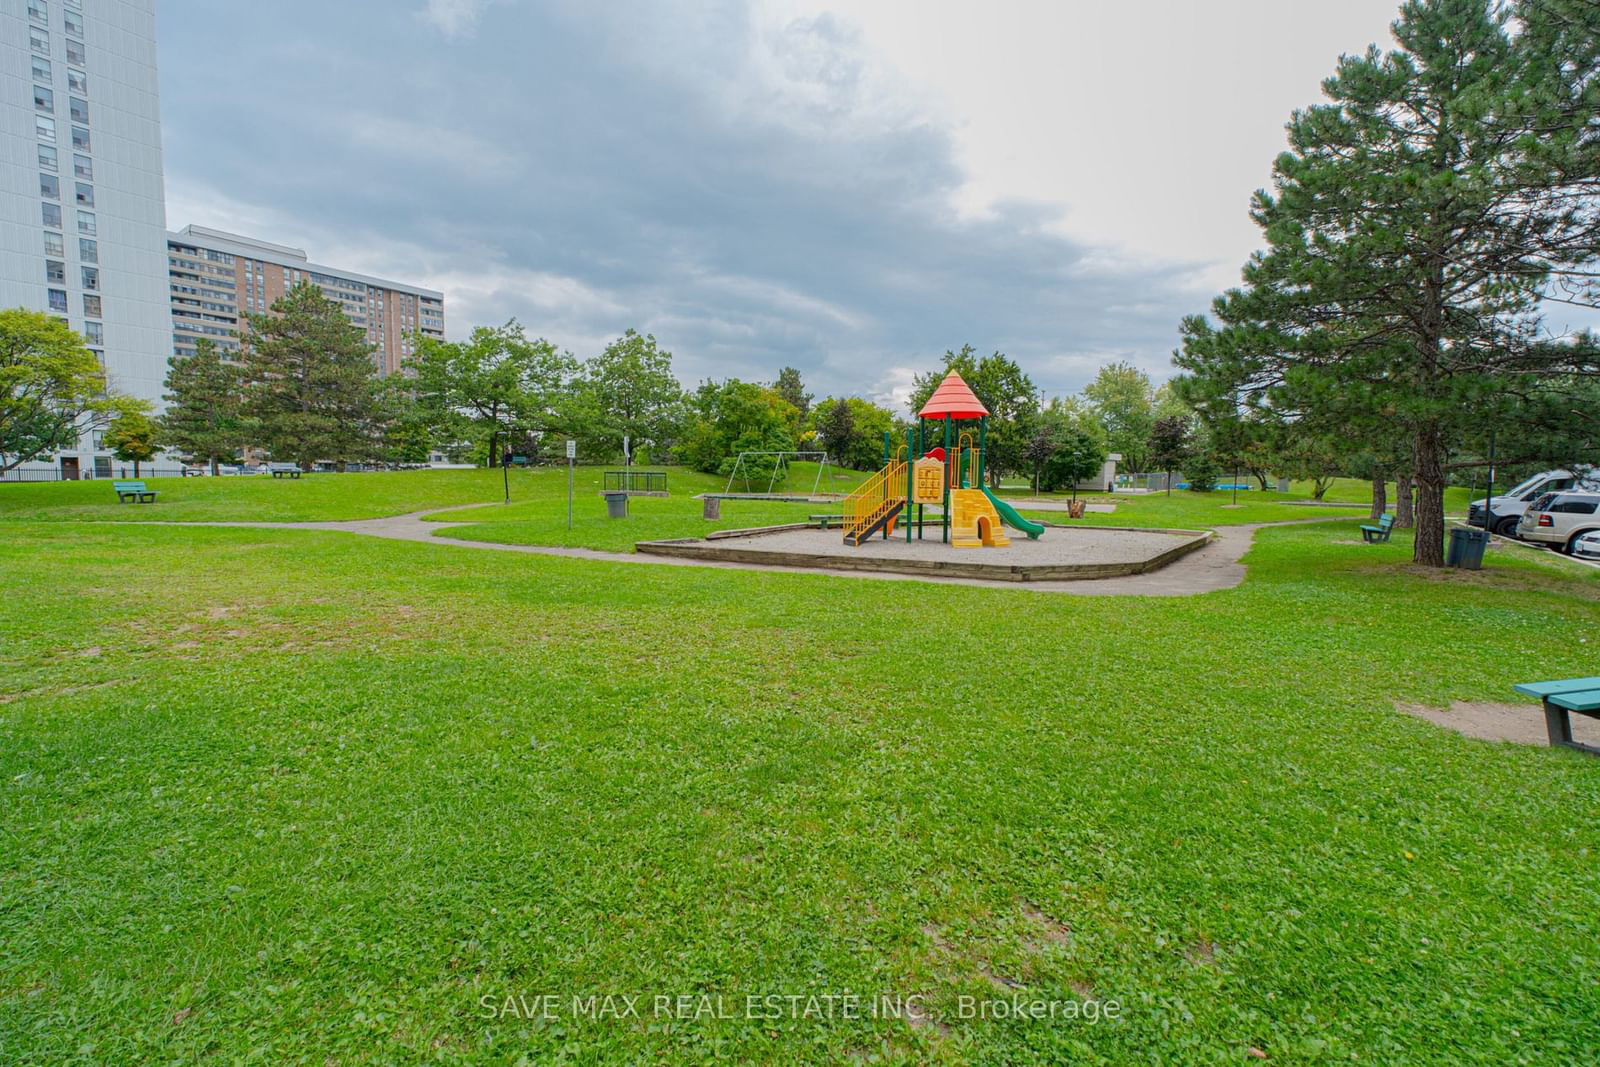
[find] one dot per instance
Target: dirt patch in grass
(1520, 723)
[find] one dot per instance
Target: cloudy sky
(848, 187)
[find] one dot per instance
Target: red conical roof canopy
(953, 400)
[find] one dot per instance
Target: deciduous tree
(52, 389)
(132, 435)
(495, 383)
(628, 391)
(1004, 389)
(1122, 398)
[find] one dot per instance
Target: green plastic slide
(1009, 516)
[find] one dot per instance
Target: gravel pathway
(1207, 570)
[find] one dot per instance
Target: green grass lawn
(259, 498)
(335, 497)
(286, 796)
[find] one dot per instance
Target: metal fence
(631, 481)
(118, 472)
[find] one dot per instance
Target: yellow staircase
(877, 504)
(973, 521)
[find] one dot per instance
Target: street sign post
(572, 453)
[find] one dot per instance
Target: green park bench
(134, 491)
(1561, 699)
(1376, 535)
(284, 470)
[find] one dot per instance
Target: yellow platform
(973, 521)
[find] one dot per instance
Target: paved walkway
(1208, 570)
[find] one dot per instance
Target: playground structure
(950, 476)
(780, 468)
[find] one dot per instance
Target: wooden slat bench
(283, 470)
(1376, 535)
(1561, 699)
(134, 491)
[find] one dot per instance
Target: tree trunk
(1429, 473)
(136, 468)
(1405, 515)
(214, 470)
(1261, 476)
(1380, 498)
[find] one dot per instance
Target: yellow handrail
(874, 498)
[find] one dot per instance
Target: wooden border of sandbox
(714, 547)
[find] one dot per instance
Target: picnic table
(1561, 699)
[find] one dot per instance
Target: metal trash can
(616, 505)
(1466, 548)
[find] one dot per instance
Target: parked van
(1508, 508)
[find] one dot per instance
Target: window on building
(74, 23)
(43, 99)
(55, 272)
(44, 129)
(83, 167)
(49, 187)
(78, 81)
(79, 108)
(39, 11)
(91, 279)
(91, 306)
(86, 223)
(58, 299)
(94, 333)
(88, 250)
(75, 53)
(85, 193)
(47, 157)
(39, 40)
(52, 215)
(41, 69)
(54, 245)
(80, 139)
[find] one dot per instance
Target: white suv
(1509, 507)
(1557, 520)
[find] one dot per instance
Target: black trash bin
(617, 506)
(1466, 548)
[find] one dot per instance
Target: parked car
(1587, 546)
(1561, 521)
(1508, 508)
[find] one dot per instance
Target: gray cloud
(752, 197)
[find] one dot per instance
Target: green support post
(918, 452)
(949, 470)
(983, 426)
(911, 470)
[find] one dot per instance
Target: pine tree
(1418, 221)
(310, 381)
(790, 386)
(204, 419)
